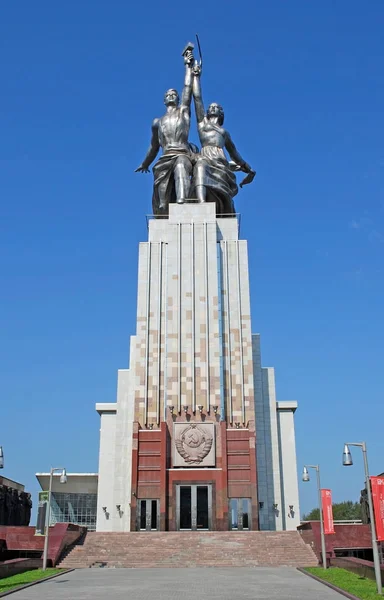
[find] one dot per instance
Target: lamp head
(305, 475)
(347, 456)
(63, 476)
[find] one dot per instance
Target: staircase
(78, 542)
(191, 549)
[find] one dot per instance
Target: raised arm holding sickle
(213, 178)
(172, 172)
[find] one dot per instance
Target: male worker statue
(172, 172)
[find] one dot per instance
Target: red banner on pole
(326, 505)
(377, 486)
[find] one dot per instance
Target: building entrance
(194, 507)
(240, 513)
(148, 515)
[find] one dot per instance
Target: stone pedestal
(194, 371)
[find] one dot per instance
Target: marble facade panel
(194, 347)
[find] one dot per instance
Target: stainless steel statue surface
(173, 171)
(213, 176)
(182, 174)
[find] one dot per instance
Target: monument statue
(28, 509)
(213, 175)
(8, 506)
(15, 506)
(182, 174)
(172, 172)
(2, 504)
(25, 505)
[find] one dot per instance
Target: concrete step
(191, 549)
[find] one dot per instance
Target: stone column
(288, 473)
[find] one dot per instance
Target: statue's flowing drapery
(219, 179)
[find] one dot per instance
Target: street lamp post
(347, 462)
(305, 477)
(1, 458)
(63, 479)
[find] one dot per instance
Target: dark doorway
(194, 507)
(202, 507)
(185, 507)
(148, 515)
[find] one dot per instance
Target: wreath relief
(194, 444)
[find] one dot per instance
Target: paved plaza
(180, 584)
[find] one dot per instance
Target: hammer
(189, 46)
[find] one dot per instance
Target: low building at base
(196, 439)
(73, 502)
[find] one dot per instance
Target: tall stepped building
(196, 439)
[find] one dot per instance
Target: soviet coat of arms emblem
(193, 443)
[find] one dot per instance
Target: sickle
(199, 47)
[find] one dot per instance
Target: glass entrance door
(185, 514)
(148, 515)
(194, 507)
(239, 513)
(202, 507)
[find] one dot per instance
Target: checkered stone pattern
(236, 331)
(193, 338)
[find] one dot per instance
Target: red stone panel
(61, 535)
(234, 475)
(149, 461)
(238, 460)
(345, 537)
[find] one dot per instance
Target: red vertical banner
(326, 505)
(377, 486)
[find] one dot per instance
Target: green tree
(347, 510)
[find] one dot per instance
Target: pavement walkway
(261, 583)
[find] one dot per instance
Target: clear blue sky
(302, 84)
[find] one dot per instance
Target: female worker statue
(213, 175)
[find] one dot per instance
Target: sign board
(326, 505)
(377, 486)
(42, 513)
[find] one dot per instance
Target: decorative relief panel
(194, 445)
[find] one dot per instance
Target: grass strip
(361, 587)
(8, 583)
